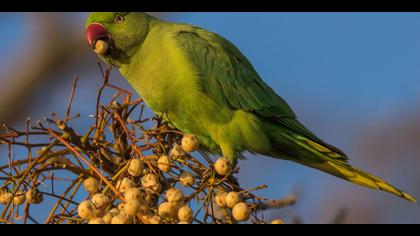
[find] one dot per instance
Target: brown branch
(97, 172)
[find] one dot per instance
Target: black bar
(212, 5)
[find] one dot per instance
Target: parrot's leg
(229, 154)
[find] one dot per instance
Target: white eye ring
(119, 19)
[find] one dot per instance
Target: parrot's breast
(165, 77)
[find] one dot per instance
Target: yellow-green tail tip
(354, 175)
(408, 197)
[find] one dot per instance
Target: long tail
(331, 160)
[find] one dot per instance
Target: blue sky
(341, 72)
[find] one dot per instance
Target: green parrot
(203, 85)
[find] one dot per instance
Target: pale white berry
(241, 212)
(33, 196)
(100, 200)
(187, 179)
(190, 143)
(101, 47)
(107, 218)
(97, 221)
(86, 210)
(2, 196)
(168, 210)
(222, 166)
(125, 184)
(110, 214)
(232, 199)
(185, 214)
(91, 185)
(19, 198)
(135, 167)
(151, 183)
(133, 194)
(155, 220)
(132, 207)
(221, 199)
(120, 219)
(164, 163)
(5, 197)
(149, 178)
(277, 222)
(174, 195)
(177, 152)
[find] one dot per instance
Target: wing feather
(228, 77)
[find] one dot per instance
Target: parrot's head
(116, 36)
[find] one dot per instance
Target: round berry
(151, 183)
(277, 222)
(120, 219)
(222, 166)
(5, 198)
(132, 207)
(241, 212)
(221, 199)
(19, 198)
(108, 217)
(189, 143)
(185, 214)
(91, 185)
(125, 184)
(33, 196)
(164, 163)
(177, 152)
(101, 47)
(86, 210)
(97, 221)
(174, 195)
(133, 194)
(187, 179)
(135, 167)
(100, 200)
(232, 199)
(155, 220)
(167, 210)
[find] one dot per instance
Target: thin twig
(73, 90)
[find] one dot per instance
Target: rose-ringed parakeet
(203, 85)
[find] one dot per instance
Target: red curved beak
(94, 32)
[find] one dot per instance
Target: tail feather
(324, 158)
(354, 175)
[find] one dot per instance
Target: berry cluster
(122, 170)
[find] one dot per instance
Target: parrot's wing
(230, 79)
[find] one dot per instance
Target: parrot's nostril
(95, 32)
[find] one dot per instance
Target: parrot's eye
(119, 19)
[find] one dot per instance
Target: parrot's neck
(122, 58)
(159, 68)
